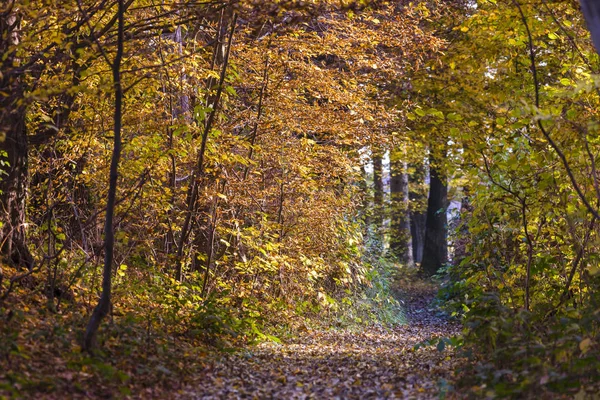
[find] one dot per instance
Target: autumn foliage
(249, 146)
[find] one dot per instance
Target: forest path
(372, 363)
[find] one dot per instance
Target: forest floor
(369, 363)
(40, 358)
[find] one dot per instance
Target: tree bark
(591, 12)
(13, 147)
(103, 306)
(378, 199)
(183, 106)
(418, 205)
(400, 239)
(435, 251)
(366, 203)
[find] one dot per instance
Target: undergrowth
(541, 353)
(374, 303)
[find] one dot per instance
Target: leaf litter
(375, 362)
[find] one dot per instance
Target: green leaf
(441, 345)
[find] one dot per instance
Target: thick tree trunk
(13, 147)
(435, 251)
(378, 200)
(591, 12)
(418, 206)
(400, 238)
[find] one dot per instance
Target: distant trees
(417, 210)
(378, 196)
(418, 192)
(400, 234)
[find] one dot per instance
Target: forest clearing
(329, 199)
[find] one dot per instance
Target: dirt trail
(375, 363)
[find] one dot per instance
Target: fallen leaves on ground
(373, 363)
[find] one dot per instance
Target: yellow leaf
(585, 344)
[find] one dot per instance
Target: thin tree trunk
(259, 112)
(400, 239)
(210, 243)
(103, 306)
(366, 203)
(378, 199)
(194, 188)
(253, 139)
(435, 251)
(183, 106)
(169, 243)
(218, 56)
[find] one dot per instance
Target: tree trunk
(435, 251)
(418, 206)
(178, 105)
(103, 306)
(400, 238)
(591, 12)
(13, 147)
(378, 200)
(366, 203)
(183, 106)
